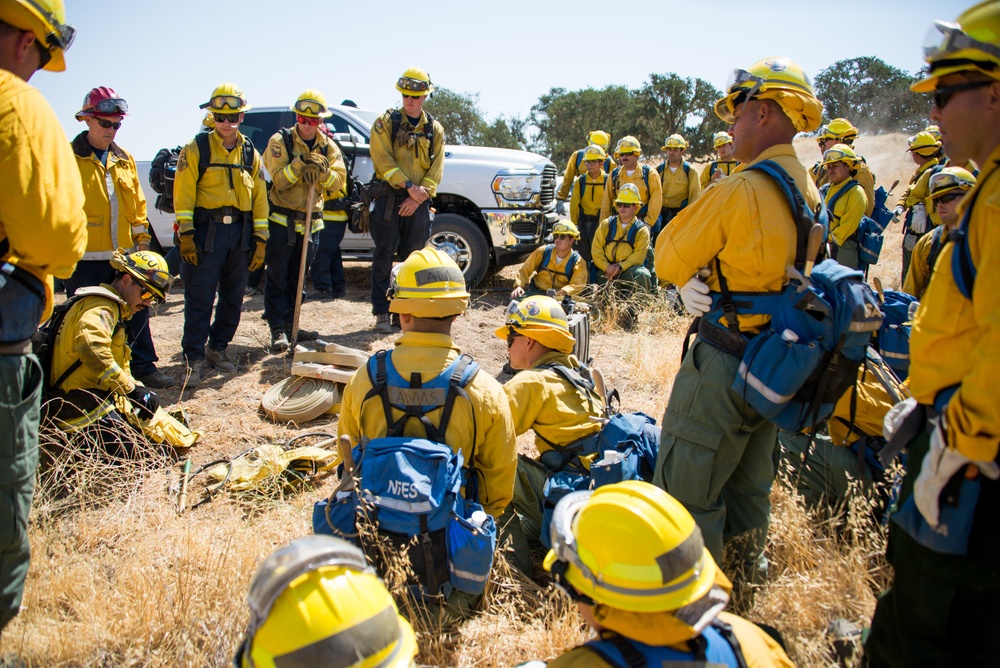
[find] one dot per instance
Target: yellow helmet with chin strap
(311, 103)
(540, 318)
(675, 141)
(933, 131)
(566, 227)
(970, 45)
(316, 601)
(629, 194)
(721, 139)
(415, 82)
(428, 284)
(599, 137)
(46, 20)
(594, 152)
(949, 180)
(147, 267)
(627, 145)
(227, 98)
(629, 546)
(842, 130)
(777, 79)
(924, 143)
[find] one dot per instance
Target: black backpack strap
(288, 141)
(614, 179)
(204, 152)
(726, 631)
(380, 387)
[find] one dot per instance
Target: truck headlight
(517, 187)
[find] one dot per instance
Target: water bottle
(478, 519)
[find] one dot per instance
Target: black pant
(391, 233)
(281, 277)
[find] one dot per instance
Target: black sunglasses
(950, 197)
(942, 96)
(510, 338)
(108, 124)
(45, 56)
(412, 97)
(226, 118)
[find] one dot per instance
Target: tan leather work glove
(311, 174)
(189, 250)
(257, 261)
(320, 159)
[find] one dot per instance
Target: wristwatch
(409, 184)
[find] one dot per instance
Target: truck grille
(524, 229)
(548, 192)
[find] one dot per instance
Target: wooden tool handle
(816, 235)
(306, 230)
(877, 282)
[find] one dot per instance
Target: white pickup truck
(493, 207)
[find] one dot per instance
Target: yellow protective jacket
(604, 252)
(759, 649)
(651, 196)
(554, 274)
(575, 166)
(745, 222)
(115, 204)
(955, 340)
(542, 400)
(847, 211)
(587, 196)
(681, 187)
(340, 215)
(493, 440)
(248, 192)
(871, 403)
(408, 156)
(727, 167)
(921, 192)
(865, 177)
(287, 189)
(919, 273)
(909, 197)
(42, 222)
(94, 333)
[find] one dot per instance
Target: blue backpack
(869, 232)
(633, 436)
(794, 372)
(716, 646)
(893, 338)
(881, 212)
(410, 488)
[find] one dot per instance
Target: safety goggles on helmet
(310, 107)
(944, 38)
(946, 181)
(567, 229)
(535, 311)
(62, 35)
(838, 155)
(743, 82)
(415, 85)
(225, 101)
(110, 105)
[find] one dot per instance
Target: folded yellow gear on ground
(253, 468)
(161, 428)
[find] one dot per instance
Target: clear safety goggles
(944, 38)
(837, 155)
(737, 83)
(111, 105)
(514, 317)
(313, 107)
(945, 181)
(627, 147)
(224, 101)
(62, 35)
(414, 85)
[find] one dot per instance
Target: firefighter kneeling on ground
(317, 602)
(619, 251)
(542, 399)
(90, 359)
(634, 562)
(555, 267)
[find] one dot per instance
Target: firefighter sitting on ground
(317, 602)
(620, 246)
(654, 601)
(588, 193)
(543, 400)
(845, 201)
(575, 166)
(947, 189)
(722, 142)
(90, 359)
(555, 266)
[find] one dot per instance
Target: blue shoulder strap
(717, 646)
(840, 193)
(963, 269)
(579, 159)
(801, 215)
(547, 256)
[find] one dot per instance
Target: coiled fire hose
(299, 399)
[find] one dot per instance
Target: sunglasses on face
(561, 236)
(623, 205)
(226, 118)
(108, 124)
(307, 120)
(949, 198)
(412, 97)
(943, 95)
(222, 101)
(510, 338)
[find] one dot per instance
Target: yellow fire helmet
(147, 267)
(311, 103)
(971, 44)
(721, 139)
(46, 20)
(842, 130)
(209, 120)
(317, 602)
(566, 227)
(674, 141)
(428, 284)
(629, 546)
(540, 318)
(924, 143)
(933, 131)
(949, 180)
(599, 137)
(415, 81)
(594, 152)
(227, 98)
(627, 145)
(841, 153)
(777, 79)
(629, 194)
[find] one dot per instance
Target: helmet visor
(62, 35)
(740, 79)
(945, 38)
(513, 317)
(414, 85)
(310, 107)
(941, 182)
(226, 101)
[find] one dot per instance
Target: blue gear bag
(893, 338)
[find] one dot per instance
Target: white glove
(694, 294)
(897, 213)
(940, 464)
(896, 416)
(918, 223)
(560, 207)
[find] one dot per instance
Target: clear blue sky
(165, 57)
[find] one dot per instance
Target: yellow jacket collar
(556, 357)
(775, 151)
(81, 147)
(427, 340)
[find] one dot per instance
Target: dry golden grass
(118, 578)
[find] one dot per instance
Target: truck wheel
(460, 239)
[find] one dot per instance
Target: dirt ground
(118, 578)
